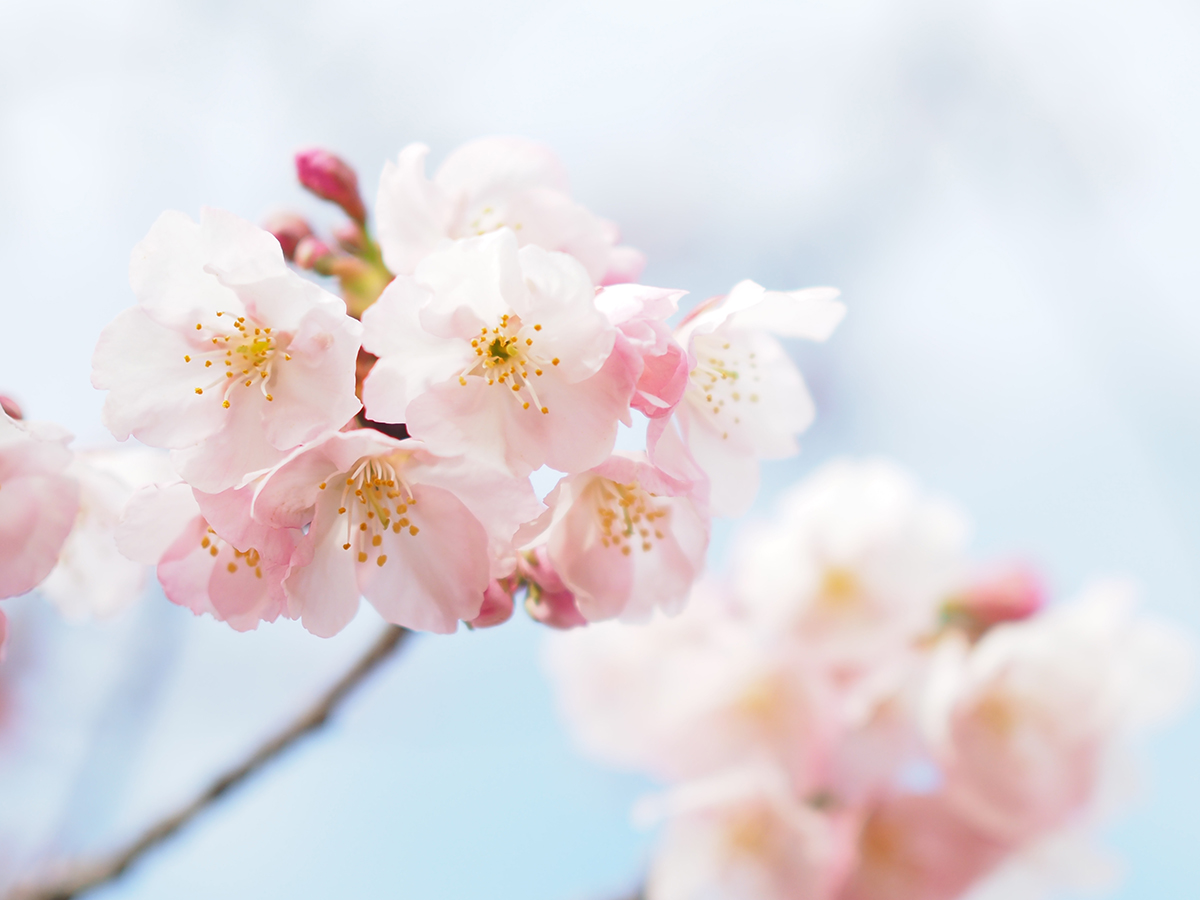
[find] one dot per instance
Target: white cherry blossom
(489, 184)
(745, 399)
(499, 353)
(230, 357)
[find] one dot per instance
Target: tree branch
(78, 879)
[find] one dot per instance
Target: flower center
(375, 498)
(486, 221)
(245, 355)
(723, 372)
(508, 356)
(628, 515)
(249, 558)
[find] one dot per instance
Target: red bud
(331, 179)
(11, 407)
(289, 229)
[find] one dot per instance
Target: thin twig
(84, 877)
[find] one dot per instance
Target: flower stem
(73, 880)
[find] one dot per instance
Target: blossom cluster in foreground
(380, 443)
(858, 714)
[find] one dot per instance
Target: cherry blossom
(420, 536)
(682, 697)
(624, 538)
(547, 599)
(200, 569)
(499, 353)
(745, 834)
(745, 398)
(92, 577)
(230, 358)
(486, 185)
(660, 364)
(1025, 723)
(856, 563)
(917, 847)
(39, 501)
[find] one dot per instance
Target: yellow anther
(382, 559)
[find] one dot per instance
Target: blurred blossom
(1024, 724)
(92, 577)
(913, 753)
(39, 501)
(289, 229)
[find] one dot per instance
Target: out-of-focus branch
(76, 879)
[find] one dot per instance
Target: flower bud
(11, 408)
(310, 252)
(351, 237)
(1007, 597)
(289, 229)
(549, 601)
(331, 179)
(497, 605)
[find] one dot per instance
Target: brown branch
(81, 878)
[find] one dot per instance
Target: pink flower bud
(1005, 597)
(497, 605)
(11, 407)
(289, 229)
(351, 237)
(331, 179)
(310, 251)
(549, 600)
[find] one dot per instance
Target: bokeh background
(1006, 192)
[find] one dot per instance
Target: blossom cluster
(858, 713)
(380, 443)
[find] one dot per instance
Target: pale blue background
(1005, 191)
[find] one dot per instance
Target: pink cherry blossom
(39, 502)
(489, 184)
(746, 400)
(418, 535)
(230, 358)
(916, 847)
(501, 354)
(744, 834)
(92, 577)
(498, 605)
(547, 599)
(624, 538)
(685, 696)
(660, 363)
(856, 565)
(1025, 723)
(199, 568)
